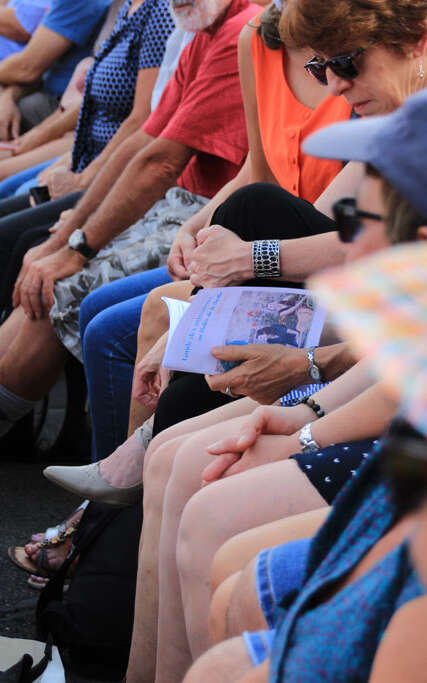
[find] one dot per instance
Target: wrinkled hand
(267, 372)
(150, 379)
(35, 291)
(180, 254)
(10, 118)
(62, 181)
(33, 254)
(220, 259)
(266, 449)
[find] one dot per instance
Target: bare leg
(157, 468)
(238, 551)
(224, 663)
(9, 329)
(212, 516)
(154, 322)
(142, 658)
(235, 606)
(30, 366)
(219, 608)
(258, 675)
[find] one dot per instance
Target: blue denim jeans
(20, 183)
(109, 321)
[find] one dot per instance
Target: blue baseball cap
(395, 144)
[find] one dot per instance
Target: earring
(421, 73)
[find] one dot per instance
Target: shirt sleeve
(156, 33)
(75, 19)
(207, 113)
(30, 14)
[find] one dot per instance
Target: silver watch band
(313, 369)
(307, 442)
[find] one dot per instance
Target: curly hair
(331, 28)
(268, 27)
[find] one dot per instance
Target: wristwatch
(77, 241)
(313, 369)
(305, 437)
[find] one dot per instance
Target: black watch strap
(87, 251)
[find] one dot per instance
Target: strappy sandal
(42, 567)
(53, 531)
(39, 585)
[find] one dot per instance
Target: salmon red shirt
(202, 105)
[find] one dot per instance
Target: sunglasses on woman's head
(348, 219)
(343, 66)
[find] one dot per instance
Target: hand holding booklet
(238, 315)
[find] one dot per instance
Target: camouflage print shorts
(143, 246)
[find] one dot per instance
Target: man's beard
(201, 16)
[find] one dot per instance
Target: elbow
(163, 171)
(28, 75)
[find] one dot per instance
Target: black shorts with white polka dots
(330, 468)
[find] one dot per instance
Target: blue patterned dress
(136, 42)
(336, 640)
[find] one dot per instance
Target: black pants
(258, 211)
(22, 227)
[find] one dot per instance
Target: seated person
(105, 120)
(201, 158)
(64, 36)
(373, 304)
(50, 137)
(305, 107)
(221, 258)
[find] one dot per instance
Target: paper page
(242, 315)
(176, 308)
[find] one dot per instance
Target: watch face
(76, 239)
(314, 372)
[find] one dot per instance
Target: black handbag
(92, 622)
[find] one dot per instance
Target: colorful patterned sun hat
(379, 304)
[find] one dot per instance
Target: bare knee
(227, 561)
(219, 607)
(200, 534)
(244, 611)
(157, 471)
(224, 663)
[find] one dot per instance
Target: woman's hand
(266, 371)
(220, 259)
(181, 253)
(267, 449)
(271, 420)
(150, 379)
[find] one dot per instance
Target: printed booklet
(238, 315)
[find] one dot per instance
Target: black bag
(25, 671)
(93, 620)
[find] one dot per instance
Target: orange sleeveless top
(284, 123)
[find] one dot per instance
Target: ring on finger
(230, 393)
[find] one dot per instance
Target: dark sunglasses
(343, 66)
(404, 463)
(348, 218)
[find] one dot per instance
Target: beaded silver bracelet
(266, 258)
